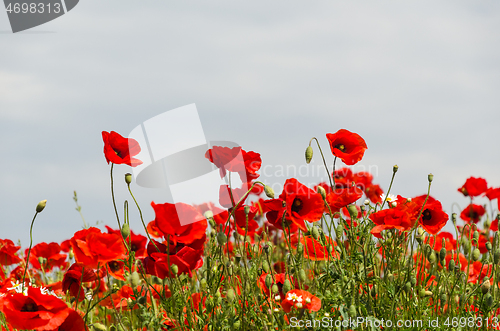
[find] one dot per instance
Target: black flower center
(297, 205)
(114, 266)
(30, 306)
(426, 215)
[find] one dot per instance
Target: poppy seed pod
(395, 168)
(430, 178)
(268, 190)
(321, 191)
(309, 154)
(41, 206)
(128, 178)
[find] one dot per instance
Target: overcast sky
(418, 80)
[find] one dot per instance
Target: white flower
(294, 297)
(298, 305)
(390, 197)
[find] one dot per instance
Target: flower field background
(312, 257)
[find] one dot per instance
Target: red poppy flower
(235, 159)
(8, 252)
(279, 280)
(474, 187)
(168, 218)
(137, 242)
(36, 311)
(73, 279)
(373, 193)
(343, 177)
(363, 179)
(91, 247)
(472, 213)
(153, 230)
(433, 218)
(240, 219)
(186, 260)
(301, 299)
(51, 254)
(346, 145)
(237, 194)
(297, 203)
(120, 150)
(402, 217)
(342, 197)
(450, 242)
(313, 249)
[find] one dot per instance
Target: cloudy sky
(418, 80)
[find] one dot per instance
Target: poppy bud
(134, 279)
(430, 177)
(321, 191)
(309, 154)
(475, 236)
(451, 265)
(208, 214)
(99, 327)
(221, 238)
(174, 268)
(236, 324)
(395, 168)
(302, 275)
(427, 293)
(128, 178)
(203, 284)
(246, 209)
(352, 311)
(443, 298)
(353, 211)
(485, 286)
(41, 205)
(488, 246)
(476, 254)
(366, 202)
(466, 245)
(265, 266)
(300, 249)
(269, 280)
(413, 281)
(125, 231)
(42, 260)
(268, 190)
(315, 232)
(230, 295)
(488, 300)
(496, 256)
(432, 257)
(275, 289)
(442, 254)
(329, 248)
(407, 287)
(454, 218)
(287, 286)
(339, 231)
(71, 254)
(390, 278)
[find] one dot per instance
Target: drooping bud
(128, 178)
(315, 232)
(485, 286)
(321, 190)
(309, 154)
(268, 280)
(268, 190)
(488, 246)
(41, 206)
(475, 236)
(125, 230)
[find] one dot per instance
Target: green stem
(29, 251)
(113, 197)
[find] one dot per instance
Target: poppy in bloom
(120, 150)
(313, 249)
(8, 252)
(297, 203)
(402, 217)
(301, 299)
(91, 247)
(73, 279)
(168, 218)
(362, 179)
(342, 197)
(373, 193)
(474, 187)
(136, 242)
(244, 221)
(51, 254)
(235, 159)
(343, 177)
(348, 146)
(35, 311)
(449, 241)
(279, 280)
(472, 213)
(433, 218)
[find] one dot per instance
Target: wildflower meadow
(345, 254)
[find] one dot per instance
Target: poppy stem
(389, 190)
(29, 250)
(113, 197)
(332, 184)
(142, 219)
